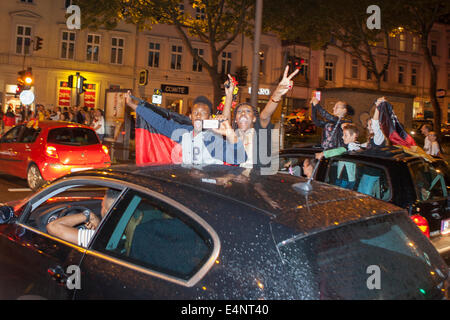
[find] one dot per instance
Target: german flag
(154, 148)
(392, 128)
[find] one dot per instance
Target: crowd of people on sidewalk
(83, 115)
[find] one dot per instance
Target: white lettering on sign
(261, 91)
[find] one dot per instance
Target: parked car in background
(392, 175)
(216, 232)
(45, 150)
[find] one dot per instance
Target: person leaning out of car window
(66, 227)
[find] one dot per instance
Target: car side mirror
(6, 214)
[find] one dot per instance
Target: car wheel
(34, 177)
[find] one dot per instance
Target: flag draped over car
(153, 147)
(392, 128)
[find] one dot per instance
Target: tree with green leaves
(217, 24)
(419, 17)
(342, 24)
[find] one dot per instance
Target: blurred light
(105, 149)
(51, 152)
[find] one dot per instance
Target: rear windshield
(73, 136)
(381, 258)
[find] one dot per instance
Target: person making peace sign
(255, 130)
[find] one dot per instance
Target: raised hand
(229, 85)
(285, 84)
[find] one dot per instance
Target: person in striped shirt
(66, 227)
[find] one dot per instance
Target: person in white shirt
(434, 149)
(427, 143)
(376, 136)
(98, 124)
(66, 227)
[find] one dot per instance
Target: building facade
(112, 60)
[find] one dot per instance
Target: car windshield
(380, 258)
(72, 136)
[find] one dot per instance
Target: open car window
(360, 177)
(62, 201)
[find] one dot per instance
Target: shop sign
(261, 91)
(174, 89)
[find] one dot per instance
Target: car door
(34, 263)
(150, 248)
(24, 148)
(432, 196)
(8, 152)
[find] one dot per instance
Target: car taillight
(51, 152)
(105, 149)
(422, 223)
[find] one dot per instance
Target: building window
(175, 62)
(329, 71)
(401, 74)
(415, 44)
(402, 42)
(117, 45)
(369, 75)
(23, 40)
(93, 47)
(434, 48)
(26, 1)
(355, 68)
(226, 62)
(153, 54)
(414, 76)
(196, 65)
(199, 13)
(68, 45)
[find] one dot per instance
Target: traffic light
(295, 63)
(25, 79)
(143, 77)
(19, 89)
(38, 45)
(81, 86)
(28, 78)
(70, 81)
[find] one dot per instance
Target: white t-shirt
(101, 122)
(427, 145)
(434, 149)
(84, 237)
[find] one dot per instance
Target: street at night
(224, 151)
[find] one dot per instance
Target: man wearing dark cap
(331, 123)
(199, 146)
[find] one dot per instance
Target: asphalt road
(12, 188)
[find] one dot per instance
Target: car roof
(57, 124)
(273, 196)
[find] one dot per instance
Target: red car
(46, 150)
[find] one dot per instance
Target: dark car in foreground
(392, 175)
(216, 232)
